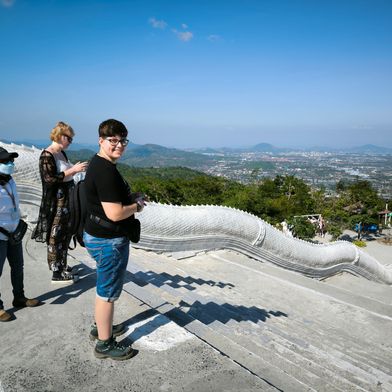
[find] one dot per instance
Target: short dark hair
(112, 127)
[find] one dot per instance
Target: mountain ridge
(153, 150)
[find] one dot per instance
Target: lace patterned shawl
(52, 180)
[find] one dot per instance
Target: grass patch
(359, 243)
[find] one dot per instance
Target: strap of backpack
(74, 243)
(4, 231)
(104, 223)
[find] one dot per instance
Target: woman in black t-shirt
(109, 207)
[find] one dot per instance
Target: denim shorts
(111, 256)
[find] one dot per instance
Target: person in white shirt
(9, 219)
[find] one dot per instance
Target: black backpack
(78, 213)
(78, 216)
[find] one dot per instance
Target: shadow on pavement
(184, 313)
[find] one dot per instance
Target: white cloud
(157, 24)
(214, 38)
(184, 36)
(7, 3)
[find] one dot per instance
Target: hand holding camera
(140, 200)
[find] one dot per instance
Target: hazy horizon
(42, 142)
(198, 74)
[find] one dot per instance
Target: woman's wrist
(67, 173)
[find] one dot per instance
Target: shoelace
(121, 346)
(114, 344)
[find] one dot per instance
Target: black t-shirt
(105, 183)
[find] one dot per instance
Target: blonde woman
(57, 179)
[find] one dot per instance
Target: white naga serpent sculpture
(168, 228)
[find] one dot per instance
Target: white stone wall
(26, 165)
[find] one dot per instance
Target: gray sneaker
(113, 350)
(117, 330)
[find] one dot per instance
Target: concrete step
(372, 296)
(274, 350)
(283, 345)
(274, 378)
(355, 285)
(342, 338)
(283, 351)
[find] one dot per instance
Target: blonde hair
(60, 129)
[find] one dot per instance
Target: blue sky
(199, 73)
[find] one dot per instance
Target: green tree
(284, 197)
(302, 228)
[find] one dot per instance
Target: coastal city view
(318, 169)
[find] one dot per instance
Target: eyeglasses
(69, 138)
(114, 141)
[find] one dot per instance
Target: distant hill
(164, 173)
(261, 147)
(266, 147)
(80, 155)
(153, 155)
(204, 150)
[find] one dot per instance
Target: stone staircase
(295, 333)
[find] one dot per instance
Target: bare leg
(104, 318)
